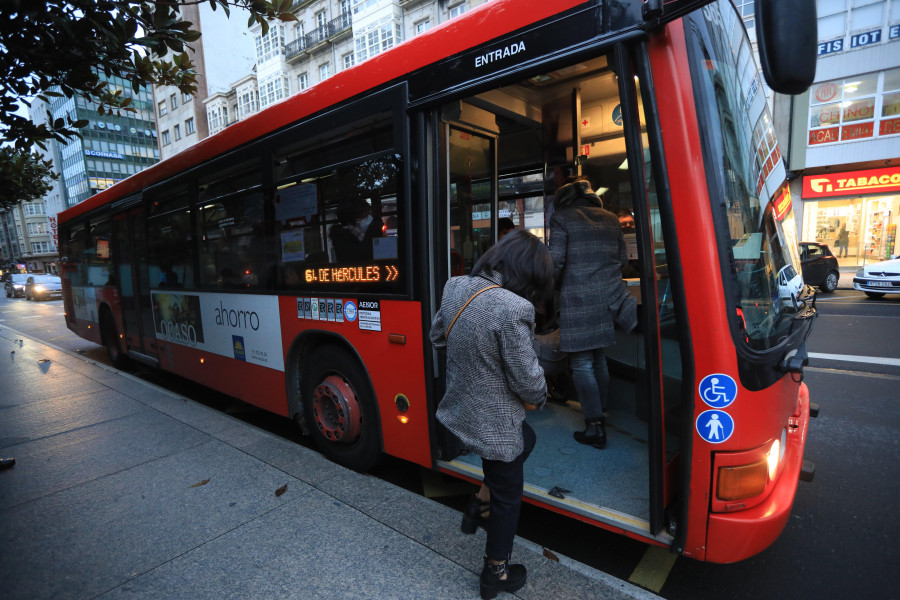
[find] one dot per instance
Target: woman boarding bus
(219, 265)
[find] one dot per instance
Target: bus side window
(170, 243)
(230, 228)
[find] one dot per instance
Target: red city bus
(247, 263)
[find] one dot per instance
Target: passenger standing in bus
(589, 253)
(493, 376)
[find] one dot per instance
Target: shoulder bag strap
(465, 305)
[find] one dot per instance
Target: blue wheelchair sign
(715, 426)
(718, 390)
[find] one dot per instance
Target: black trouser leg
(506, 481)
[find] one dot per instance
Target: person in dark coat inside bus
(589, 253)
(352, 235)
(486, 323)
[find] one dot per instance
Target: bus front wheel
(339, 409)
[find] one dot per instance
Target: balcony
(326, 32)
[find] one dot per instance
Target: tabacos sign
(873, 181)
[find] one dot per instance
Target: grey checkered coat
(588, 251)
(492, 368)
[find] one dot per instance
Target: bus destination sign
(357, 274)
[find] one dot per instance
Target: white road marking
(872, 360)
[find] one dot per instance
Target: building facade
(327, 37)
(111, 147)
(843, 135)
(225, 50)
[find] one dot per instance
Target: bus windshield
(746, 177)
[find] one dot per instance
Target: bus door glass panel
(144, 307)
(124, 274)
(670, 354)
(471, 179)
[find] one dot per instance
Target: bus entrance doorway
(507, 152)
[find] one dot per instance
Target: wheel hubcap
(336, 411)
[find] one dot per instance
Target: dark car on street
(819, 266)
(43, 287)
(15, 285)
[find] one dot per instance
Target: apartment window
(161, 108)
(185, 98)
(177, 131)
(37, 228)
(273, 88)
(324, 71)
(217, 116)
(271, 44)
(248, 103)
(321, 20)
(457, 10)
(34, 208)
(377, 38)
(423, 26)
(348, 60)
(345, 7)
(302, 81)
(166, 140)
(40, 247)
(173, 101)
(189, 127)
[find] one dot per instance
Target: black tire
(339, 409)
(110, 336)
(875, 294)
(831, 282)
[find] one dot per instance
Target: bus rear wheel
(340, 410)
(110, 336)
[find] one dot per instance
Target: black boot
(594, 434)
(476, 514)
(492, 580)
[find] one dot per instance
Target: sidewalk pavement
(122, 489)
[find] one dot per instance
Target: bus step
(807, 470)
(813, 410)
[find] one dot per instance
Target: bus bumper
(735, 536)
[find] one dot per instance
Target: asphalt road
(841, 539)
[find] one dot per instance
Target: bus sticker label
(715, 426)
(350, 310)
(718, 390)
(370, 315)
(314, 309)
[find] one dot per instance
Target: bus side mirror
(787, 40)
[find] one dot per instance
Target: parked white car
(790, 284)
(879, 278)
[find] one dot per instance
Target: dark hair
(505, 224)
(525, 263)
(570, 193)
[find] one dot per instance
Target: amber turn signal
(742, 481)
